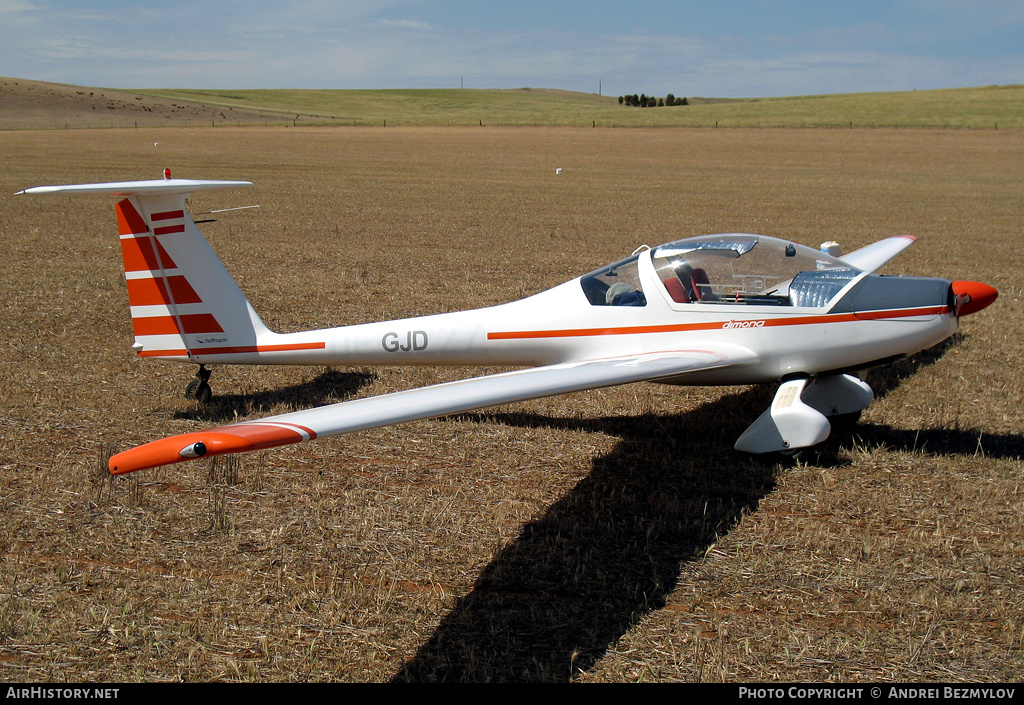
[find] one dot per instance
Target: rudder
(184, 303)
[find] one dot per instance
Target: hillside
(958, 108)
(36, 105)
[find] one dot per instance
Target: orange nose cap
(972, 297)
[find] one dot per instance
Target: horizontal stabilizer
(155, 187)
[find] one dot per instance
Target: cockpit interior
(735, 269)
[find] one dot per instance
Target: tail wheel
(199, 388)
(204, 393)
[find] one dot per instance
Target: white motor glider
(718, 309)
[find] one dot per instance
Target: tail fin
(184, 303)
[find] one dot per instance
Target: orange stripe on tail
(139, 255)
(153, 292)
(129, 222)
(168, 215)
(168, 325)
(169, 229)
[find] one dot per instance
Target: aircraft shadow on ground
(607, 553)
(328, 387)
(935, 441)
(552, 602)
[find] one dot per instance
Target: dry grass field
(604, 536)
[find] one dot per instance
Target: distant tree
(648, 101)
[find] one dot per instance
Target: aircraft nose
(970, 297)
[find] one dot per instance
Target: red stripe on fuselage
(720, 324)
(200, 352)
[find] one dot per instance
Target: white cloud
(404, 24)
(10, 7)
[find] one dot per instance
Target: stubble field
(612, 535)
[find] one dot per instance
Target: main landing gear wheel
(845, 422)
(792, 456)
(199, 388)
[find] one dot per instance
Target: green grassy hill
(984, 108)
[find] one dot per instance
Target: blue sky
(725, 49)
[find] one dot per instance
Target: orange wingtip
(219, 441)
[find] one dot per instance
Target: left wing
(429, 402)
